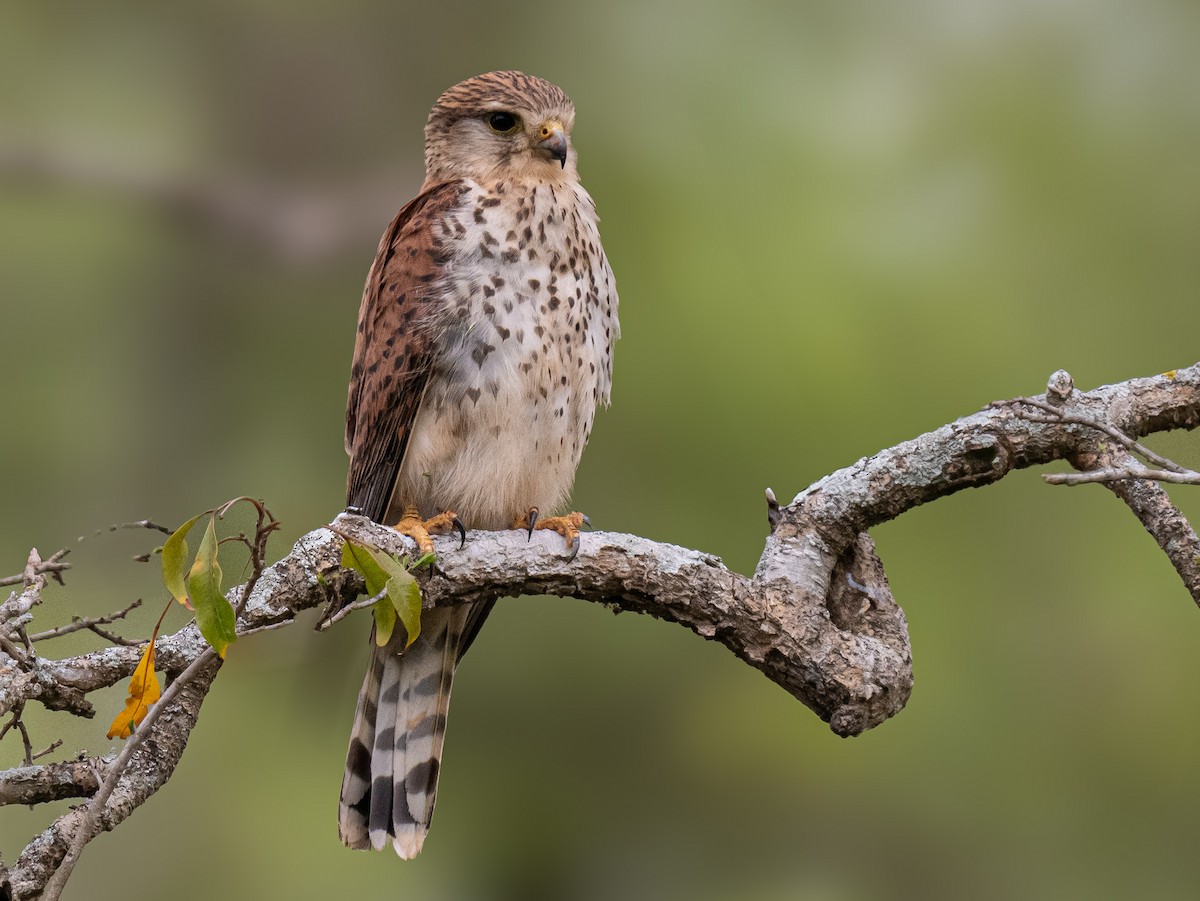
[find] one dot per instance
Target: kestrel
(484, 346)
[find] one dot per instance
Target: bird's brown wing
(394, 348)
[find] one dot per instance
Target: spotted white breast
(526, 355)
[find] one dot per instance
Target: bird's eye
(503, 123)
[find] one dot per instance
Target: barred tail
(395, 754)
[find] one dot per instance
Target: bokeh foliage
(834, 226)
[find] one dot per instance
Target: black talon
(533, 518)
(574, 547)
(587, 522)
(457, 523)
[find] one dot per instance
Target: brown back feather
(393, 350)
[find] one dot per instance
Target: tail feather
(355, 803)
(390, 784)
(384, 754)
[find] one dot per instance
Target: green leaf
(174, 561)
(214, 614)
(385, 621)
(423, 560)
(405, 595)
(359, 559)
(402, 595)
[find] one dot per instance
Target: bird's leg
(567, 525)
(419, 529)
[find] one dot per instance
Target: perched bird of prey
(484, 346)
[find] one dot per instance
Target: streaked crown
(498, 125)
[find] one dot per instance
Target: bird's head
(502, 125)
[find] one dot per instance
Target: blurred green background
(834, 226)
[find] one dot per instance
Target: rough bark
(50, 782)
(817, 616)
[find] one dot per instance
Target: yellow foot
(567, 525)
(419, 529)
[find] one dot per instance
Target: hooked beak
(552, 140)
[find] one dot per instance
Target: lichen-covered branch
(977, 450)
(817, 616)
(152, 764)
(50, 782)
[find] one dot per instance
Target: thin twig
(258, 551)
(12, 722)
(1116, 474)
(113, 637)
(268, 627)
(77, 623)
(53, 565)
(26, 741)
(19, 724)
(141, 524)
(347, 610)
(49, 749)
(1058, 415)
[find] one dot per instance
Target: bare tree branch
(150, 766)
(202, 669)
(1129, 479)
(15, 612)
(94, 813)
(53, 565)
(1068, 417)
(51, 781)
(817, 616)
(295, 222)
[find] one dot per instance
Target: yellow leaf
(143, 691)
